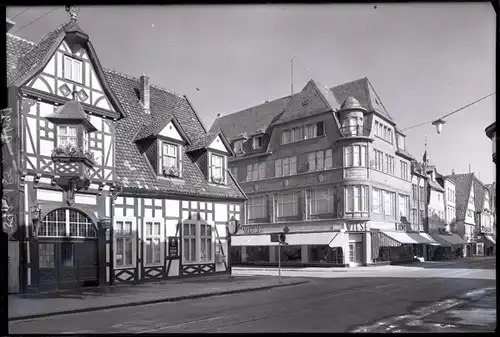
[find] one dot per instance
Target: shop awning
(317, 239)
(424, 238)
(448, 240)
(401, 237)
(490, 238)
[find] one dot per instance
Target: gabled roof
(132, 168)
(363, 91)
(204, 141)
(32, 61)
(462, 191)
(479, 191)
(159, 122)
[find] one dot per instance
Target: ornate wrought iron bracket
(115, 190)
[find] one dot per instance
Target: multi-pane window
(379, 160)
(422, 194)
(405, 175)
(256, 171)
(389, 201)
(67, 222)
(486, 200)
(383, 132)
(355, 155)
(286, 166)
(189, 242)
(356, 197)
(206, 250)
(321, 201)
(288, 204)
(217, 168)
(169, 157)
(377, 201)
(85, 140)
(46, 255)
(389, 164)
(257, 207)
(152, 241)
(352, 126)
(258, 142)
(72, 69)
(401, 142)
(404, 206)
(414, 188)
(66, 135)
(451, 195)
(451, 213)
(320, 160)
(238, 146)
(302, 132)
(124, 243)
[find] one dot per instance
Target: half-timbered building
(115, 179)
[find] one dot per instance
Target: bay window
(356, 198)
(256, 171)
(72, 69)
(320, 160)
(197, 244)
(404, 206)
(389, 200)
(288, 204)
(321, 201)
(355, 155)
(153, 242)
(285, 166)
(124, 243)
(377, 201)
(257, 207)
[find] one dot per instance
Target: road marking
(181, 324)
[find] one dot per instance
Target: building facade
(331, 165)
(491, 132)
(111, 179)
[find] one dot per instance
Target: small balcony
(72, 163)
(353, 131)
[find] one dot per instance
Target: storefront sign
(173, 247)
(355, 173)
(401, 227)
(251, 230)
(356, 227)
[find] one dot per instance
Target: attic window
(217, 169)
(72, 69)
(238, 146)
(170, 160)
(257, 142)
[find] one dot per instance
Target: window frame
(326, 157)
(313, 199)
(223, 168)
(251, 206)
(392, 199)
(178, 155)
(132, 236)
(280, 203)
(359, 195)
(357, 154)
(280, 163)
(379, 160)
(303, 132)
(197, 239)
(405, 201)
(404, 170)
(380, 209)
(238, 146)
(67, 135)
(72, 71)
(160, 236)
(260, 168)
(256, 140)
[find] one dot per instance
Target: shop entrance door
(355, 253)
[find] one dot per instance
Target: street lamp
(439, 125)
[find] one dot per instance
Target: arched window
(66, 222)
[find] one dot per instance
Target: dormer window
(217, 169)
(258, 142)
(238, 146)
(170, 161)
(72, 69)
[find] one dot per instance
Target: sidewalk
(49, 304)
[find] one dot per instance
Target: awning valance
(448, 240)
(423, 238)
(401, 237)
(318, 239)
(490, 238)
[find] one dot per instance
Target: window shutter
(278, 168)
(293, 165)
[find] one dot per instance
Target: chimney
(145, 96)
(10, 24)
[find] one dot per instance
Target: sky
(424, 60)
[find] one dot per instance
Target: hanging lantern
(439, 125)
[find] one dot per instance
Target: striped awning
(401, 237)
(430, 240)
(448, 240)
(490, 238)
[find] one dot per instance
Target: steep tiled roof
(250, 120)
(158, 122)
(479, 191)
(201, 142)
(462, 191)
(132, 168)
(363, 92)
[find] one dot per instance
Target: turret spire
(72, 11)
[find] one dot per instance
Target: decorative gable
(218, 145)
(170, 131)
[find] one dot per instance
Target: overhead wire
(451, 113)
(44, 15)
(15, 16)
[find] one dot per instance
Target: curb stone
(145, 302)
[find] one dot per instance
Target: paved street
(431, 297)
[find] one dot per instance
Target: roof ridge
(255, 106)
(22, 39)
(134, 78)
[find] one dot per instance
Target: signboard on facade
(402, 227)
(293, 228)
(356, 227)
(248, 230)
(173, 247)
(355, 173)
